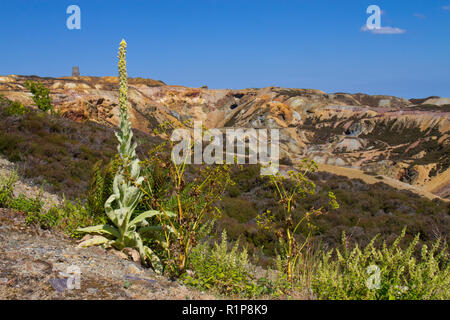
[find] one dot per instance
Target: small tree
(41, 95)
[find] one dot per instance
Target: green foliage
(6, 189)
(224, 271)
(41, 95)
(67, 217)
(16, 109)
(12, 108)
(240, 209)
(9, 145)
(157, 180)
(403, 273)
(20, 203)
(101, 187)
(26, 205)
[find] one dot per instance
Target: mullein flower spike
(123, 77)
(121, 205)
(126, 149)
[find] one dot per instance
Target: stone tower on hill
(75, 71)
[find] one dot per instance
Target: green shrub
(101, 187)
(240, 209)
(25, 204)
(9, 146)
(384, 274)
(6, 189)
(67, 217)
(21, 203)
(224, 271)
(15, 108)
(41, 95)
(45, 220)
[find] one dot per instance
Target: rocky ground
(38, 264)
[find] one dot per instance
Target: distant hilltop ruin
(75, 71)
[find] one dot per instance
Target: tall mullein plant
(126, 195)
(121, 205)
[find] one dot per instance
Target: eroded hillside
(403, 140)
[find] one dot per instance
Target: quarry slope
(403, 140)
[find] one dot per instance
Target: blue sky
(238, 44)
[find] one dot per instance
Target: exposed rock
(438, 101)
(353, 130)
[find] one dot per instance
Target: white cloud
(446, 7)
(383, 30)
(419, 15)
